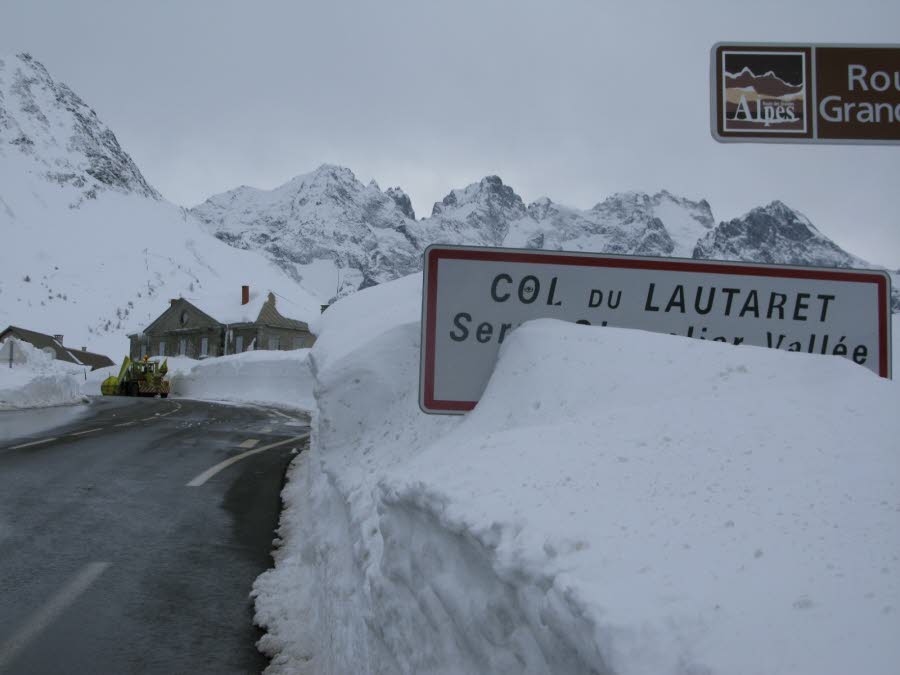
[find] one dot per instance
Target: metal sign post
(474, 297)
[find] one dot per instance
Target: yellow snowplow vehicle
(138, 378)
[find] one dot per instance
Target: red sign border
(437, 252)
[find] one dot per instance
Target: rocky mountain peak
(774, 233)
(489, 194)
(484, 210)
(46, 124)
(683, 220)
(541, 208)
(325, 215)
(402, 200)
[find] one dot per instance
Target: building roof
(228, 310)
(69, 354)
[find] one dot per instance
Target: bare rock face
(46, 122)
(401, 199)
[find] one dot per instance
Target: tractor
(138, 378)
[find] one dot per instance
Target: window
(162, 348)
(182, 347)
(204, 346)
(238, 344)
(274, 342)
(143, 351)
(298, 341)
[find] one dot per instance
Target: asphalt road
(120, 553)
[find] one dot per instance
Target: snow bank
(619, 502)
(36, 379)
(266, 377)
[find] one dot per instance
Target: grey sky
(569, 99)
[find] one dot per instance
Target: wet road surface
(129, 543)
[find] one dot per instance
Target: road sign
(474, 297)
(806, 93)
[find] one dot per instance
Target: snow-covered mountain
(774, 234)
(325, 228)
(329, 225)
(48, 123)
(90, 250)
(328, 217)
(778, 234)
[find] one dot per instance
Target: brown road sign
(782, 93)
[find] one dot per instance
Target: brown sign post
(780, 93)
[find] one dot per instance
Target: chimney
(245, 295)
(172, 301)
(58, 338)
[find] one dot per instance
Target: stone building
(53, 344)
(205, 327)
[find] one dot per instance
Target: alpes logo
(764, 93)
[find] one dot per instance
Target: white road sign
(473, 297)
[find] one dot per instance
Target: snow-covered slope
(48, 123)
(89, 249)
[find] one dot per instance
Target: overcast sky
(573, 100)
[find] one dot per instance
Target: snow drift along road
(36, 379)
(619, 502)
(279, 378)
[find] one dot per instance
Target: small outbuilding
(53, 344)
(216, 326)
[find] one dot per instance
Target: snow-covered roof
(227, 308)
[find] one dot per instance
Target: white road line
(28, 445)
(50, 611)
(149, 419)
(266, 430)
(82, 433)
(124, 424)
(209, 473)
(249, 443)
(175, 409)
